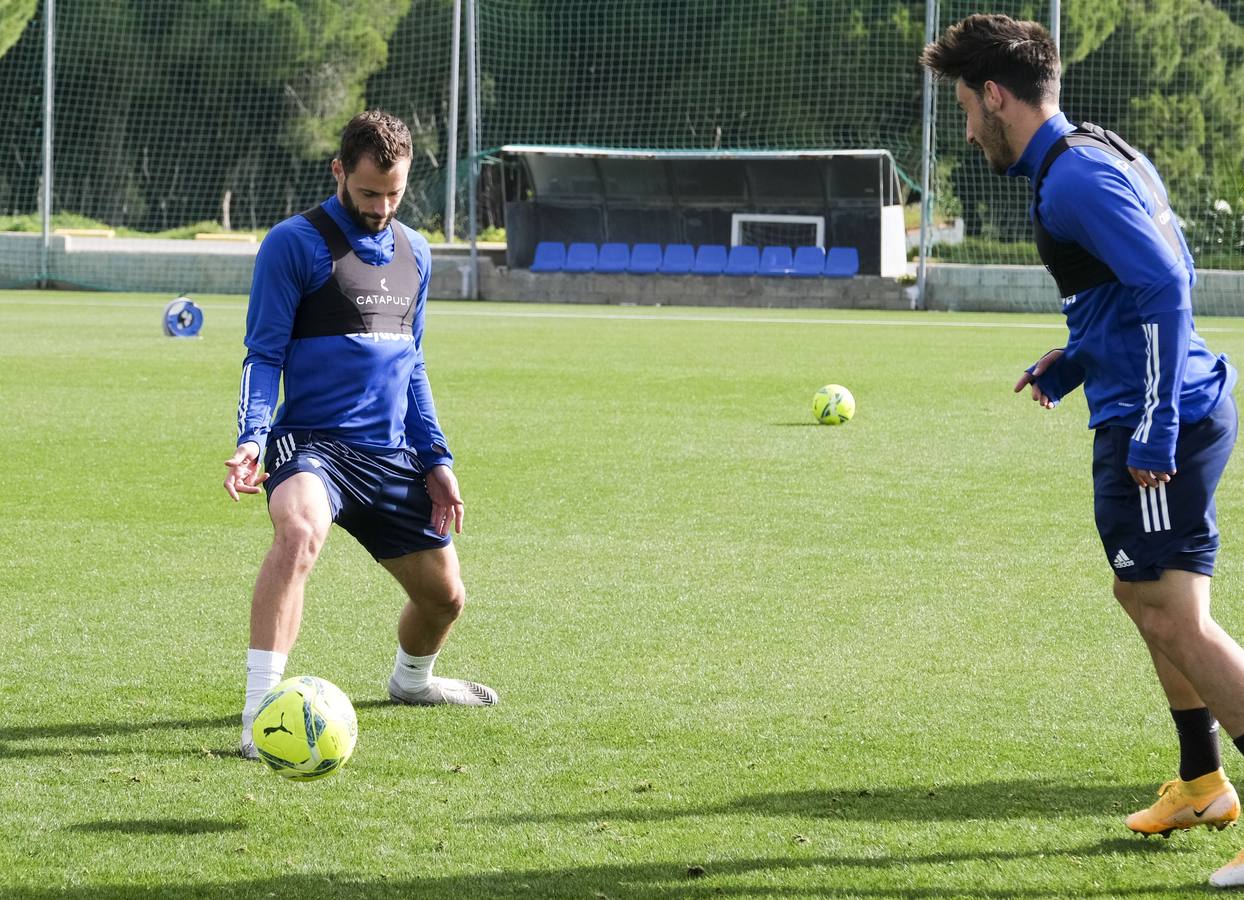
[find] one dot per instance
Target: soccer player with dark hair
(1159, 400)
(336, 309)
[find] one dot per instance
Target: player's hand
(1149, 478)
(1030, 378)
(446, 500)
(244, 476)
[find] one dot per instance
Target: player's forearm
(423, 431)
(257, 396)
(1166, 355)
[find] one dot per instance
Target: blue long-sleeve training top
(1131, 342)
(369, 390)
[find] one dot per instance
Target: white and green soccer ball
(305, 728)
(833, 405)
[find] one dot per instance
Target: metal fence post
(451, 173)
(926, 162)
(49, 86)
(472, 144)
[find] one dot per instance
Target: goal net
(777, 231)
(179, 116)
(1167, 77)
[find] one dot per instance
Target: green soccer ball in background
(833, 405)
(305, 728)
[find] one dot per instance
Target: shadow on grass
(158, 826)
(12, 738)
(375, 703)
(819, 876)
(986, 800)
(92, 729)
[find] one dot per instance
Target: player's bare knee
(1159, 626)
(299, 541)
(448, 599)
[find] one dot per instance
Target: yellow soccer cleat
(1209, 800)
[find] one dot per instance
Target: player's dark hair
(375, 133)
(1020, 56)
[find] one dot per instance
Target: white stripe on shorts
(1166, 513)
(284, 449)
(1154, 512)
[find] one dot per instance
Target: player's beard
(992, 141)
(374, 224)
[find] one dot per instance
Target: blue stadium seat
(842, 262)
(645, 259)
(550, 257)
(678, 259)
(710, 259)
(613, 258)
(776, 261)
(809, 262)
(580, 258)
(743, 260)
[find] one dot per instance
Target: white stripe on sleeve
(245, 398)
(1153, 374)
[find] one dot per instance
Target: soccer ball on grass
(305, 728)
(833, 405)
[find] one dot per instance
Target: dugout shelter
(793, 198)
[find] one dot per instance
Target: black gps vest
(1074, 268)
(359, 298)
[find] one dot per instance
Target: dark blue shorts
(380, 498)
(1175, 525)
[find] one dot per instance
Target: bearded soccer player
(336, 310)
(1159, 400)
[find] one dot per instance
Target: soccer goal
(760, 230)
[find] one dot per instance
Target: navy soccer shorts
(1175, 525)
(380, 498)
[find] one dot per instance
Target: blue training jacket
(1131, 343)
(368, 390)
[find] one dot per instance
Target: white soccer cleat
(246, 747)
(1231, 875)
(443, 691)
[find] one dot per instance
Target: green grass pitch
(739, 654)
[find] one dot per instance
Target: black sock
(1198, 742)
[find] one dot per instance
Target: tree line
(178, 111)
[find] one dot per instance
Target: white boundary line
(741, 319)
(120, 304)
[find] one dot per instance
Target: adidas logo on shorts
(1121, 560)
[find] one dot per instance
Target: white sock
(264, 668)
(413, 673)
